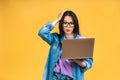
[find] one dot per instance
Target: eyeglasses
(65, 24)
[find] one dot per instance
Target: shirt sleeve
(45, 34)
(89, 62)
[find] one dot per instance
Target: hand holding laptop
(77, 50)
(80, 62)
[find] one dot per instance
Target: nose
(68, 25)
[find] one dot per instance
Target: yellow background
(23, 54)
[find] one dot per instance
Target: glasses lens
(68, 23)
(71, 24)
(65, 23)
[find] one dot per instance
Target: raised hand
(59, 17)
(61, 14)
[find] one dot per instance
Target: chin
(68, 33)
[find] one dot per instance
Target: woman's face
(68, 25)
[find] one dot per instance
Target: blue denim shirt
(55, 52)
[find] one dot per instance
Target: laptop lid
(77, 48)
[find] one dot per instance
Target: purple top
(64, 66)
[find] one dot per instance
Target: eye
(65, 22)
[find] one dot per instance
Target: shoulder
(80, 36)
(55, 35)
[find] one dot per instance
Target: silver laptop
(78, 48)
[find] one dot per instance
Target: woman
(56, 68)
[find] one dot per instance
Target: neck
(69, 35)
